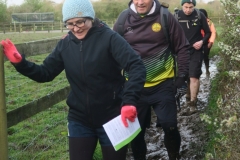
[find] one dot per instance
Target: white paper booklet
(120, 135)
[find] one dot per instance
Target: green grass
(21, 90)
(223, 132)
(223, 109)
(215, 49)
(43, 136)
(26, 37)
(212, 111)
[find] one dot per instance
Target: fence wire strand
(37, 136)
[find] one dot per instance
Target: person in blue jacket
(93, 57)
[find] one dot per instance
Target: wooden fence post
(3, 112)
(61, 27)
(20, 27)
(4, 28)
(15, 30)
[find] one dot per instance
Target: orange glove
(128, 112)
(10, 51)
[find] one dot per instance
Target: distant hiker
(207, 46)
(176, 10)
(192, 22)
(92, 56)
(157, 37)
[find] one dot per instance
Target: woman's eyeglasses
(79, 24)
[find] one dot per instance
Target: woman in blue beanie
(93, 57)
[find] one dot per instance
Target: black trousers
(161, 98)
(206, 51)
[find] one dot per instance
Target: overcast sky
(207, 1)
(18, 2)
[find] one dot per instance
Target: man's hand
(180, 87)
(128, 112)
(210, 44)
(10, 51)
(197, 45)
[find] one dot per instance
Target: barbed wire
(33, 142)
(16, 95)
(23, 144)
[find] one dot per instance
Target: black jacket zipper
(87, 107)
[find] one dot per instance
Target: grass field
(215, 49)
(26, 37)
(43, 136)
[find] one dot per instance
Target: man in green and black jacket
(143, 31)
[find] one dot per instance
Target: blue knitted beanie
(77, 9)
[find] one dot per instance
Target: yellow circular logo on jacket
(156, 27)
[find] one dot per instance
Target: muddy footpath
(192, 129)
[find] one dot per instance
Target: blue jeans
(77, 130)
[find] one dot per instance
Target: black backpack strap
(164, 21)
(198, 13)
(176, 15)
(121, 21)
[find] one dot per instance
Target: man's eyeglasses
(79, 24)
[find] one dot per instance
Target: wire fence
(44, 135)
(38, 26)
(36, 136)
(32, 17)
(58, 26)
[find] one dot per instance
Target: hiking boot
(188, 98)
(207, 71)
(191, 109)
(193, 106)
(175, 156)
(178, 157)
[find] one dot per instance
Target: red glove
(10, 51)
(128, 112)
